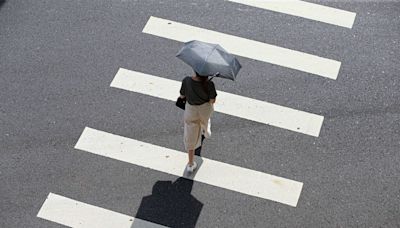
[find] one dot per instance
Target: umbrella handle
(215, 75)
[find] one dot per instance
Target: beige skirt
(196, 121)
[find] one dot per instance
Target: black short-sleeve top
(196, 92)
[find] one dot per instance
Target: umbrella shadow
(171, 203)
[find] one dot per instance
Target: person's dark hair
(204, 82)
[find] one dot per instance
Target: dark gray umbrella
(209, 59)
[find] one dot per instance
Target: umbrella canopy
(209, 59)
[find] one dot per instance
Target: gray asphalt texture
(58, 58)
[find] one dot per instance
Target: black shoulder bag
(181, 102)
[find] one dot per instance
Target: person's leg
(191, 131)
(192, 165)
(194, 141)
(191, 156)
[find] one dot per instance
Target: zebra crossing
(173, 162)
(77, 214)
(231, 104)
(73, 213)
(305, 10)
(244, 47)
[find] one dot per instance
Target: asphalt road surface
(57, 62)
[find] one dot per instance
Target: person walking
(200, 95)
(206, 60)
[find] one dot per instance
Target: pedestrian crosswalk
(72, 213)
(76, 214)
(306, 10)
(173, 162)
(245, 47)
(231, 104)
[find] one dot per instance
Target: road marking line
(227, 103)
(72, 213)
(173, 162)
(245, 47)
(306, 10)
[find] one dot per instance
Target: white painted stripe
(306, 10)
(72, 213)
(227, 103)
(244, 47)
(173, 162)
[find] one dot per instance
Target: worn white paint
(72, 213)
(173, 162)
(304, 9)
(227, 103)
(245, 47)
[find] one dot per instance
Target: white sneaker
(191, 168)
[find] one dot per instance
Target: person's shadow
(171, 203)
